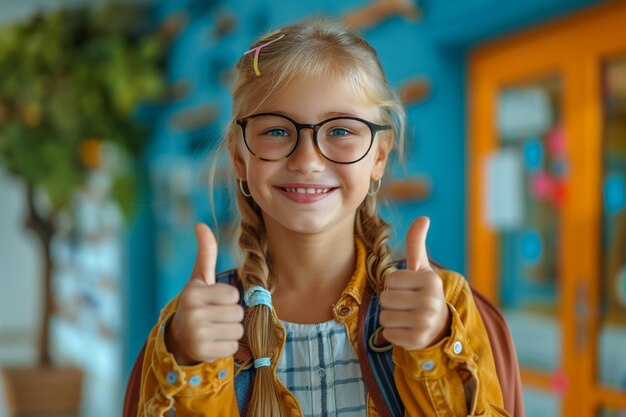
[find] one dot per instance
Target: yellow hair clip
(257, 52)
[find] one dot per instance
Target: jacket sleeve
(203, 390)
(457, 376)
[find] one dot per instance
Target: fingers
(406, 338)
(416, 329)
(224, 332)
(216, 314)
(398, 300)
(206, 258)
(205, 333)
(416, 256)
(418, 320)
(410, 280)
(216, 294)
(412, 308)
(216, 349)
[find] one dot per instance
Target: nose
(306, 157)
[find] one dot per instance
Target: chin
(297, 222)
(306, 226)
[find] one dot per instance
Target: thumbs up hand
(414, 311)
(208, 322)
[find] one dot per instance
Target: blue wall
(435, 47)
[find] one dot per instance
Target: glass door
(547, 205)
(525, 180)
(611, 351)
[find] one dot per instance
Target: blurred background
(110, 111)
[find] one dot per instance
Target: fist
(207, 324)
(414, 311)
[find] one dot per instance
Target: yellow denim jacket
(455, 377)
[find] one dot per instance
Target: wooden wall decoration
(196, 117)
(173, 25)
(413, 189)
(177, 90)
(225, 23)
(379, 10)
(415, 90)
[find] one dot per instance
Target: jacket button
(171, 377)
(343, 310)
(428, 366)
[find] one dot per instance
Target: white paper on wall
(524, 113)
(526, 329)
(503, 190)
(612, 341)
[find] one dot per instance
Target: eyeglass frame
(374, 128)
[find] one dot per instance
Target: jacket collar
(358, 282)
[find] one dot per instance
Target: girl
(314, 121)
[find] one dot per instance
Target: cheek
(359, 177)
(258, 173)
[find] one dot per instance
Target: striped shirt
(320, 367)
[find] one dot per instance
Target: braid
(375, 233)
(261, 331)
(255, 267)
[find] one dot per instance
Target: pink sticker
(541, 186)
(559, 192)
(556, 142)
(559, 383)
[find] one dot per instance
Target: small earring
(376, 187)
(248, 194)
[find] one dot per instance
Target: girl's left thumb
(416, 256)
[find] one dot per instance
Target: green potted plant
(70, 81)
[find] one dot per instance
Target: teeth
(307, 190)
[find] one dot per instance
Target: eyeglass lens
(274, 137)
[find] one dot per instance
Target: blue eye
(277, 132)
(338, 132)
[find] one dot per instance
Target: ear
(238, 162)
(380, 160)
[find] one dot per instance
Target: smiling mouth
(300, 190)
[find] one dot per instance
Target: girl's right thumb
(206, 257)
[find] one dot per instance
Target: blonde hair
(314, 47)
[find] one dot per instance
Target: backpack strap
(243, 382)
(245, 376)
(377, 367)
